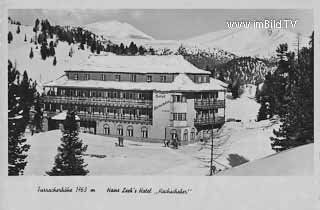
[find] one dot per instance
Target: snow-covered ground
(136, 158)
(41, 70)
(247, 139)
(294, 162)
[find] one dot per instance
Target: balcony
(209, 121)
(116, 118)
(113, 102)
(208, 104)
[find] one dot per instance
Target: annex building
(148, 98)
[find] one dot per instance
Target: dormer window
(149, 78)
(199, 79)
(133, 78)
(163, 78)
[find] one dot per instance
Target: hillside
(115, 30)
(248, 42)
(37, 68)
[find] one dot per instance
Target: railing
(207, 104)
(116, 118)
(99, 101)
(209, 121)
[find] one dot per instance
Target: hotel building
(146, 98)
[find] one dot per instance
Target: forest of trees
(24, 109)
(288, 93)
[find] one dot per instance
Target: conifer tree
(51, 49)
(31, 53)
(10, 37)
(54, 61)
(43, 51)
(18, 29)
(69, 160)
(266, 99)
(26, 92)
(70, 52)
(141, 50)
(296, 114)
(121, 49)
(38, 117)
(17, 146)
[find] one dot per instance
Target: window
(185, 135)
(103, 77)
(144, 132)
(118, 77)
(106, 129)
(204, 79)
(179, 98)
(76, 77)
(179, 116)
(163, 78)
(130, 130)
(149, 78)
(120, 130)
(193, 134)
(199, 79)
(86, 76)
(133, 77)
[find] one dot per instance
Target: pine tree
(133, 49)
(221, 76)
(296, 115)
(54, 61)
(26, 92)
(18, 29)
(51, 49)
(152, 51)
(17, 146)
(70, 52)
(31, 53)
(38, 117)
(43, 51)
(10, 37)
(69, 160)
(121, 50)
(267, 99)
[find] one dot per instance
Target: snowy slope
(248, 42)
(41, 70)
(116, 30)
(294, 162)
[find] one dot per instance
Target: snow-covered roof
(297, 161)
(181, 83)
(138, 64)
(62, 116)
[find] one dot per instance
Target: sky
(168, 24)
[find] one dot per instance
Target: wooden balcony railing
(116, 118)
(208, 104)
(99, 101)
(209, 121)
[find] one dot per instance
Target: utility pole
(211, 158)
